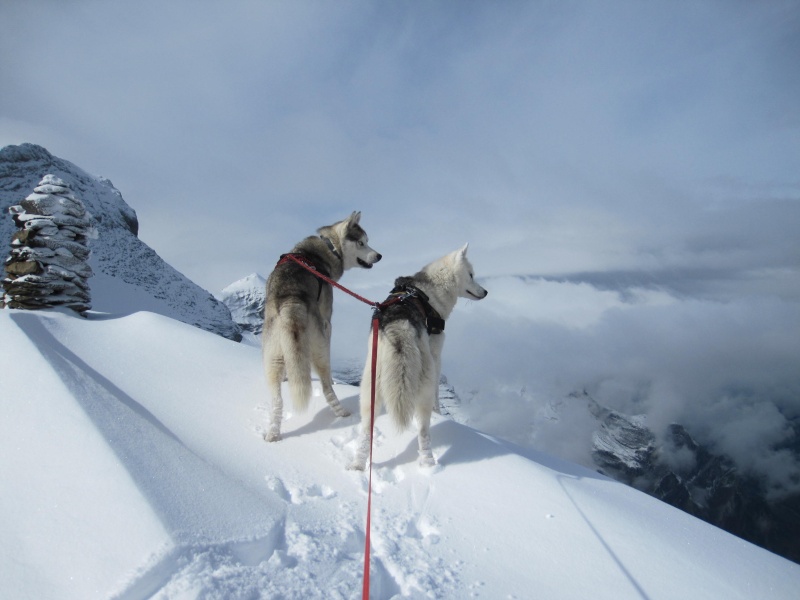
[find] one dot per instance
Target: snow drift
(134, 467)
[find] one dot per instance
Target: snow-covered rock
(245, 299)
(47, 264)
(124, 266)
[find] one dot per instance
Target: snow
(134, 467)
(245, 299)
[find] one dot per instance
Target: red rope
(365, 589)
(306, 264)
(302, 261)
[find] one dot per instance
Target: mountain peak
(119, 258)
(245, 299)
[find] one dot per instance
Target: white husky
(297, 315)
(410, 340)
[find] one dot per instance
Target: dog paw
(427, 461)
(342, 413)
(273, 436)
(356, 465)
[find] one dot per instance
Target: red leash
(309, 266)
(365, 589)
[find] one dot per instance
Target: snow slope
(133, 467)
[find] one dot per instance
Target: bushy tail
(401, 371)
(294, 341)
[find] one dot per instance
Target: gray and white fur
(409, 356)
(297, 316)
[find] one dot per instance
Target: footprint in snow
(276, 485)
(422, 529)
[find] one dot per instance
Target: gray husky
(297, 315)
(410, 340)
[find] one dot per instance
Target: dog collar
(332, 248)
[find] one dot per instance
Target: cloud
(726, 371)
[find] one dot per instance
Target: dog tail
(296, 353)
(400, 365)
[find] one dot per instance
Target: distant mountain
(245, 300)
(120, 260)
(706, 485)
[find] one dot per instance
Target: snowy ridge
(124, 266)
(137, 470)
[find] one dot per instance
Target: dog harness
(308, 264)
(409, 293)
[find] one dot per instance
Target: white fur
(408, 364)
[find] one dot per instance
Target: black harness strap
(433, 320)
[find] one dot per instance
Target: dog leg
(436, 352)
(359, 462)
(324, 372)
(424, 437)
(275, 372)
(321, 357)
(274, 433)
(333, 401)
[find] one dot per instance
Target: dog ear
(462, 252)
(354, 218)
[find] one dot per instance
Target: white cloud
(729, 372)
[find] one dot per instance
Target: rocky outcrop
(702, 483)
(126, 269)
(47, 265)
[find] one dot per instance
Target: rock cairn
(47, 265)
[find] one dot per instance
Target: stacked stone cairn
(47, 265)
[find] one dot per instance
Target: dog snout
(480, 294)
(378, 256)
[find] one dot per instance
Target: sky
(637, 161)
(555, 137)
